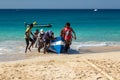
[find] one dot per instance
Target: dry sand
(96, 66)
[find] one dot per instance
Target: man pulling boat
(44, 39)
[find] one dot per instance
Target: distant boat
(95, 10)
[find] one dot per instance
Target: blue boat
(57, 45)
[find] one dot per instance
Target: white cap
(41, 31)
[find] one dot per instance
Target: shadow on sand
(73, 51)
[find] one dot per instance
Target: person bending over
(35, 34)
(35, 37)
(49, 35)
(40, 42)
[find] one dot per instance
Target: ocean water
(93, 28)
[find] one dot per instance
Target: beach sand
(102, 65)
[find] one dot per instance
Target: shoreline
(83, 50)
(11, 45)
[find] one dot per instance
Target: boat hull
(57, 45)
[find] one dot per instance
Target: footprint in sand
(101, 78)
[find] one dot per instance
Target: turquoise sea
(93, 28)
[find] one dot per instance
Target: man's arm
(74, 34)
(61, 32)
(52, 37)
(32, 34)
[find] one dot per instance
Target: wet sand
(34, 53)
(99, 49)
(84, 66)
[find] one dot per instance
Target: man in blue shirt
(49, 35)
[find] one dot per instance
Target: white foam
(7, 47)
(77, 45)
(0, 49)
(1, 53)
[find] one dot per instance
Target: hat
(50, 32)
(41, 31)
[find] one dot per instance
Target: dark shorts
(67, 45)
(68, 42)
(27, 40)
(46, 44)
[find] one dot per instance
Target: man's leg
(67, 45)
(45, 47)
(39, 49)
(32, 42)
(27, 44)
(40, 45)
(48, 46)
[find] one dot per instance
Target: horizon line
(60, 8)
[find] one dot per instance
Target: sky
(59, 4)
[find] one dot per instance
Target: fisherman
(66, 33)
(49, 35)
(35, 37)
(35, 34)
(40, 41)
(28, 38)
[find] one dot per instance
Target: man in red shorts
(66, 33)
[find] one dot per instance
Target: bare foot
(29, 49)
(38, 51)
(25, 51)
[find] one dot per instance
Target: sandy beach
(85, 66)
